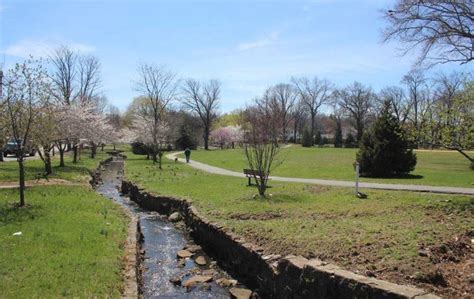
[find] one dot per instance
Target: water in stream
(162, 240)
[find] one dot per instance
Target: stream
(162, 273)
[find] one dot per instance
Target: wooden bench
(249, 173)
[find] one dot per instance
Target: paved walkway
(418, 188)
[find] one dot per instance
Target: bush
(139, 148)
(306, 140)
(350, 141)
(384, 148)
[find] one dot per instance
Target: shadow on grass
(11, 213)
(401, 176)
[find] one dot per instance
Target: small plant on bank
(384, 149)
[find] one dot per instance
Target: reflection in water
(161, 242)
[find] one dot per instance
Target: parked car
(12, 146)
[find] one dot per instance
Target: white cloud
(42, 48)
(258, 43)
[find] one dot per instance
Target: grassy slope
(72, 244)
(436, 168)
(330, 223)
(73, 172)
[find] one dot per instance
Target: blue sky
(247, 45)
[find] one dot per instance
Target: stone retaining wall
(271, 275)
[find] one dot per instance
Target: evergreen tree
(350, 141)
(185, 139)
(384, 148)
(306, 140)
(338, 134)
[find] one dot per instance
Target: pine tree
(384, 148)
(306, 140)
(185, 139)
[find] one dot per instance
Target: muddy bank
(271, 275)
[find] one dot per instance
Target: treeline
(54, 105)
(171, 113)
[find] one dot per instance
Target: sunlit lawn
(387, 229)
(72, 172)
(71, 244)
(441, 168)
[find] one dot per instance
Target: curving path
(417, 188)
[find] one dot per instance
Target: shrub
(350, 141)
(139, 148)
(306, 140)
(384, 149)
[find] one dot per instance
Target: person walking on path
(187, 153)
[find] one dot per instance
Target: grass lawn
(383, 232)
(72, 172)
(438, 168)
(72, 244)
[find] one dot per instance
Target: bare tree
(26, 87)
(277, 106)
(398, 100)
(260, 148)
(313, 94)
(158, 87)
(299, 117)
(64, 75)
(356, 101)
(415, 82)
(457, 119)
(76, 81)
(204, 101)
(89, 79)
(448, 86)
(442, 29)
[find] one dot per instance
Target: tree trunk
(21, 168)
(160, 159)
(360, 130)
(61, 156)
(74, 159)
(471, 165)
(47, 163)
(102, 147)
(93, 150)
(1, 155)
(206, 138)
(313, 116)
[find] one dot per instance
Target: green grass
(438, 168)
(71, 246)
(386, 229)
(73, 172)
